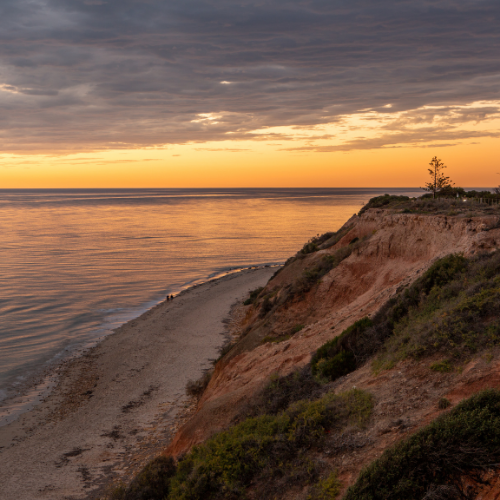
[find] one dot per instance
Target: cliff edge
(390, 251)
(368, 367)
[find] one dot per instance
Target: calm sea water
(74, 264)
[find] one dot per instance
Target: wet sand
(118, 405)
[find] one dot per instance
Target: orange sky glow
(366, 149)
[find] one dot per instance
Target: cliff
(372, 347)
(397, 249)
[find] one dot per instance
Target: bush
(324, 241)
(336, 358)
(197, 387)
(341, 364)
(442, 366)
(444, 403)
(453, 454)
(385, 200)
(334, 238)
(429, 296)
(312, 275)
(452, 309)
(266, 306)
(266, 449)
(327, 489)
(254, 294)
(152, 483)
(281, 392)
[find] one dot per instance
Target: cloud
(413, 138)
(93, 75)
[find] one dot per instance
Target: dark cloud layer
(91, 74)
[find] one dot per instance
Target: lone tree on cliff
(439, 180)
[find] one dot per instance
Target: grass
(450, 458)
(275, 340)
(384, 201)
(326, 240)
(282, 337)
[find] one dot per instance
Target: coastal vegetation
(254, 294)
(283, 439)
(450, 458)
(449, 201)
(450, 311)
(268, 452)
(324, 241)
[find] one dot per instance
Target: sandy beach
(118, 405)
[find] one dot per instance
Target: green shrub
(453, 453)
(324, 241)
(254, 294)
(266, 449)
(297, 328)
(281, 392)
(339, 365)
(309, 247)
(452, 309)
(327, 489)
(334, 238)
(197, 387)
(442, 366)
(151, 483)
(385, 201)
(312, 275)
(444, 403)
(337, 358)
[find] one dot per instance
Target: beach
(118, 405)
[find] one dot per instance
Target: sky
(219, 93)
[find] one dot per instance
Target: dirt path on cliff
(118, 405)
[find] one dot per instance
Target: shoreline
(39, 385)
(120, 402)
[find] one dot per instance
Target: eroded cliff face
(389, 251)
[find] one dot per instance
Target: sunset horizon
(249, 250)
(99, 93)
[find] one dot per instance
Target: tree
(439, 180)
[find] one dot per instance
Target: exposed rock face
(398, 248)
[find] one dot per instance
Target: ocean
(75, 264)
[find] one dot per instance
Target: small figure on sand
(168, 298)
